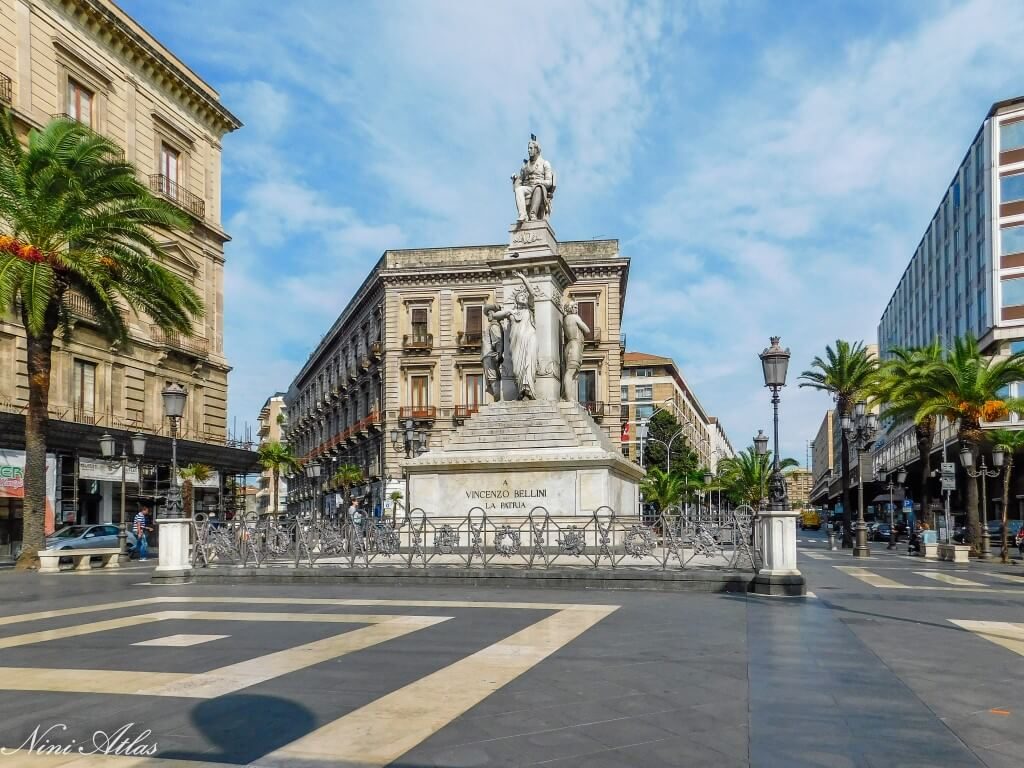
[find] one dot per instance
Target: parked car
(879, 532)
(87, 537)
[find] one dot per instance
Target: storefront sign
(101, 469)
(12, 481)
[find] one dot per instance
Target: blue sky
(769, 166)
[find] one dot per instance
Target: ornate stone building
(407, 349)
(88, 60)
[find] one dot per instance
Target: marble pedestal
(174, 564)
(512, 458)
(776, 537)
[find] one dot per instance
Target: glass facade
(1011, 188)
(1013, 292)
(1011, 240)
(1011, 136)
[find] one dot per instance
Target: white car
(87, 537)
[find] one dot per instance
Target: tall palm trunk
(40, 350)
(1005, 552)
(275, 479)
(973, 517)
(925, 433)
(187, 496)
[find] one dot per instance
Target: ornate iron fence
(537, 540)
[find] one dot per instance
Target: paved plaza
(891, 662)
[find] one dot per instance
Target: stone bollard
(832, 540)
(174, 566)
(777, 534)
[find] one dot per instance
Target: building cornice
(147, 57)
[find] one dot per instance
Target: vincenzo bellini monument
(534, 446)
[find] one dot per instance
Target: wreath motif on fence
(639, 541)
(507, 541)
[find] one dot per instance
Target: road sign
(948, 483)
(948, 468)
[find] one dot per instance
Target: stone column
(533, 251)
(776, 533)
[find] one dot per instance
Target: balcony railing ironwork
(6, 89)
(463, 412)
(376, 349)
(595, 408)
(422, 412)
(418, 341)
(78, 306)
(469, 339)
(192, 345)
(178, 195)
(593, 338)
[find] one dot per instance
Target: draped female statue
(522, 339)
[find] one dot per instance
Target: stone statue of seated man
(534, 185)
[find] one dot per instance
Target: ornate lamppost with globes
(983, 472)
(174, 397)
(108, 449)
(415, 443)
(775, 363)
(776, 525)
(860, 431)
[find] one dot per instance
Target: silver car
(87, 537)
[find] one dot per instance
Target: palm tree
(276, 458)
(847, 373)
(896, 387)
(1010, 440)
(663, 488)
(193, 473)
(965, 387)
(75, 217)
(346, 476)
(745, 475)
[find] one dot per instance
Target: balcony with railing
(181, 197)
(463, 412)
(6, 89)
(469, 339)
(376, 349)
(420, 412)
(592, 338)
(418, 342)
(595, 408)
(189, 345)
(78, 307)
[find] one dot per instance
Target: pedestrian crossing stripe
(870, 578)
(1004, 633)
(1008, 577)
(955, 584)
(947, 579)
(816, 556)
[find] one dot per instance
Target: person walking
(141, 527)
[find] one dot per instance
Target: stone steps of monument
(499, 446)
(562, 433)
(522, 426)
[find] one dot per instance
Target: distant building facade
(653, 382)
(270, 423)
(798, 487)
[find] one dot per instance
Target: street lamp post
(983, 472)
(860, 431)
(761, 449)
(901, 477)
(415, 443)
(108, 447)
(174, 396)
(775, 362)
(313, 470)
(174, 529)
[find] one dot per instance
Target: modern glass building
(967, 273)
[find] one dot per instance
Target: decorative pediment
(176, 257)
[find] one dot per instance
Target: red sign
(625, 432)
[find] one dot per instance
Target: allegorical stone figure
(522, 339)
(574, 330)
(534, 185)
(492, 356)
